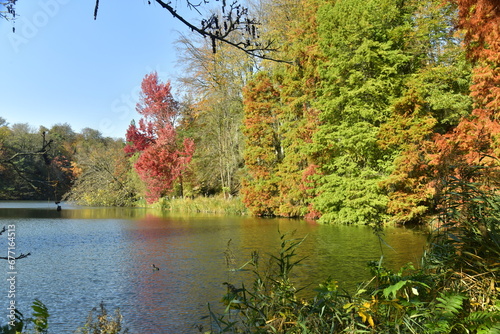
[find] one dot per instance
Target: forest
(364, 119)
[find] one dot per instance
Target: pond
(81, 256)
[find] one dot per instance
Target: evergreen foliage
(435, 97)
(364, 68)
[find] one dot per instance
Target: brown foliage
(481, 21)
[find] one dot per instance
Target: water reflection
(81, 256)
(46, 210)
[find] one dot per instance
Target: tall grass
(212, 205)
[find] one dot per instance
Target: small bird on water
(155, 267)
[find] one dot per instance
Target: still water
(81, 256)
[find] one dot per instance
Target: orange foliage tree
(435, 147)
(263, 150)
(475, 141)
(480, 19)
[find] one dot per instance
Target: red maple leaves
(162, 158)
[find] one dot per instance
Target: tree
(279, 117)
(454, 134)
(293, 25)
(103, 172)
(161, 158)
(363, 71)
(33, 163)
(263, 148)
(433, 103)
(214, 82)
(24, 162)
(299, 86)
(480, 19)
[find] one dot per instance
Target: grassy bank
(212, 205)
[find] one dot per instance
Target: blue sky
(61, 66)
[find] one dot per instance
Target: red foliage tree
(138, 139)
(162, 159)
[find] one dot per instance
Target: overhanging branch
(223, 29)
(21, 256)
(234, 19)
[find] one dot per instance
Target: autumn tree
(21, 168)
(32, 165)
(480, 20)
(103, 172)
(444, 134)
(434, 100)
(263, 146)
(293, 24)
(214, 81)
(58, 163)
(161, 158)
(475, 140)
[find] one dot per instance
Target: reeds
(211, 205)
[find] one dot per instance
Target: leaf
(450, 304)
(394, 289)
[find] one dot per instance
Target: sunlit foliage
(161, 159)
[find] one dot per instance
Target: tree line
(376, 104)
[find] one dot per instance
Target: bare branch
(96, 9)
(22, 256)
(42, 151)
(235, 19)
(10, 12)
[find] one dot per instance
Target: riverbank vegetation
(212, 205)
(453, 290)
(360, 123)
(99, 321)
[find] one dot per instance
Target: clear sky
(61, 66)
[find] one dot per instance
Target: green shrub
(36, 324)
